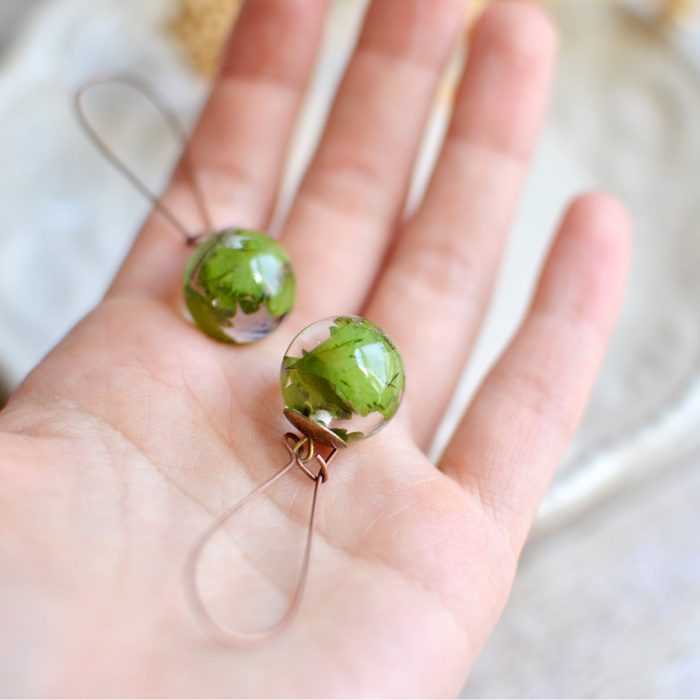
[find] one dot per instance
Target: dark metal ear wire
(302, 452)
(176, 129)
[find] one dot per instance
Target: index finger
(240, 143)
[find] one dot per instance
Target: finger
(513, 436)
(439, 276)
(356, 184)
(240, 143)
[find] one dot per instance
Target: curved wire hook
(218, 631)
(176, 129)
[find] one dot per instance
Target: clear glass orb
(239, 285)
(342, 377)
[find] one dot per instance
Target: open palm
(137, 430)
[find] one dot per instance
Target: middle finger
(355, 187)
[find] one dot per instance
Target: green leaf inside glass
(239, 285)
(344, 373)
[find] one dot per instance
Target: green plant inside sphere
(239, 285)
(343, 374)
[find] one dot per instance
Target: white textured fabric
(607, 600)
(66, 218)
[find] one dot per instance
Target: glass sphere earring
(238, 283)
(342, 380)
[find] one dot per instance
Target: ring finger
(440, 273)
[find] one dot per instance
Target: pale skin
(137, 429)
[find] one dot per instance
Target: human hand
(137, 429)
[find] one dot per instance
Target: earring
(342, 380)
(238, 283)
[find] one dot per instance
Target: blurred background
(607, 601)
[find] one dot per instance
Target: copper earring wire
(224, 635)
(302, 450)
(176, 128)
